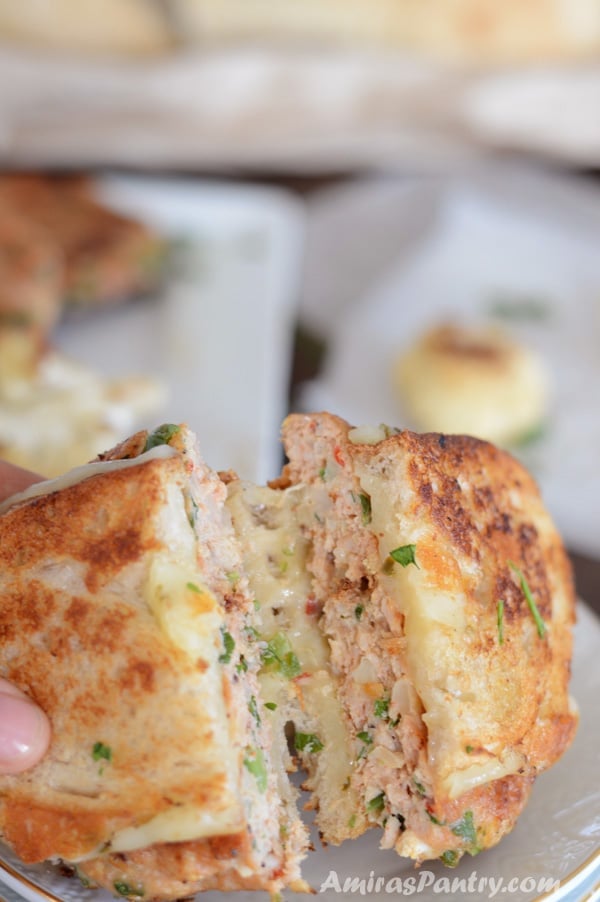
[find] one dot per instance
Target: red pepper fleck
(312, 606)
(337, 455)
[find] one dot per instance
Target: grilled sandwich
(392, 614)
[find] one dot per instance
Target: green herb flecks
(253, 709)
(192, 512)
(435, 820)
(367, 741)
(541, 626)
(255, 763)
(365, 507)
(124, 889)
(520, 308)
(193, 588)
(308, 742)
(271, 706)
(381, 707)
(420, 788)
(465, 828)
(242, 665)
(376, 804)
(101, 752)
(161, 436)
(405, 555)
(468, 749)
(278, 655)
(228, 647)
(352, 822)
(450, 858)
(233, 577)
(500, 621)
(358, 611)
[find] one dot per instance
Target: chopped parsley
(500, 619)
(404, 555)
(465, 828)
(351, 821)
(322, 473)
(161, 436)
(382, 707)
(193, 588)
(367, 741)
(255, 763)
(234, 577)
(377, 803)
(468, 749)
(308, 742)
(271, 706)
(365, 507)
(228, 646)
(420, 788)
(242, 665)
(100, 752)
(253, 709)
(279, 655)
(541, 626)
(435, 820)
(450, 858)
(193, 512)
(124, 889)
(358, 611)
(520, 308)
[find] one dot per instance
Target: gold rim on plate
(27, 882)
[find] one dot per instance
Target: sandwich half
(123, 613)
(427, 598)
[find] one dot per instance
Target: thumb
(24, 730)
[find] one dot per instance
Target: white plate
(462, 245)
(555, 843)
(219, 334)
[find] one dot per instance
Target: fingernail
(24, 733)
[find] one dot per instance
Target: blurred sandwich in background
(133, 27)
(61, 247)
(464, 31)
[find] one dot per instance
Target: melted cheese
(269, 522)
(436, 624)
(190, 616)
(79, 474)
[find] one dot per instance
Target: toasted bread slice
(121, 616)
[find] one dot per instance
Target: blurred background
(220, 210)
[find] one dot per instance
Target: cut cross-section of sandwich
(446, 600)
(415, 611)
(124, 614)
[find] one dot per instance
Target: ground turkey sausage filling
(332, 648)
